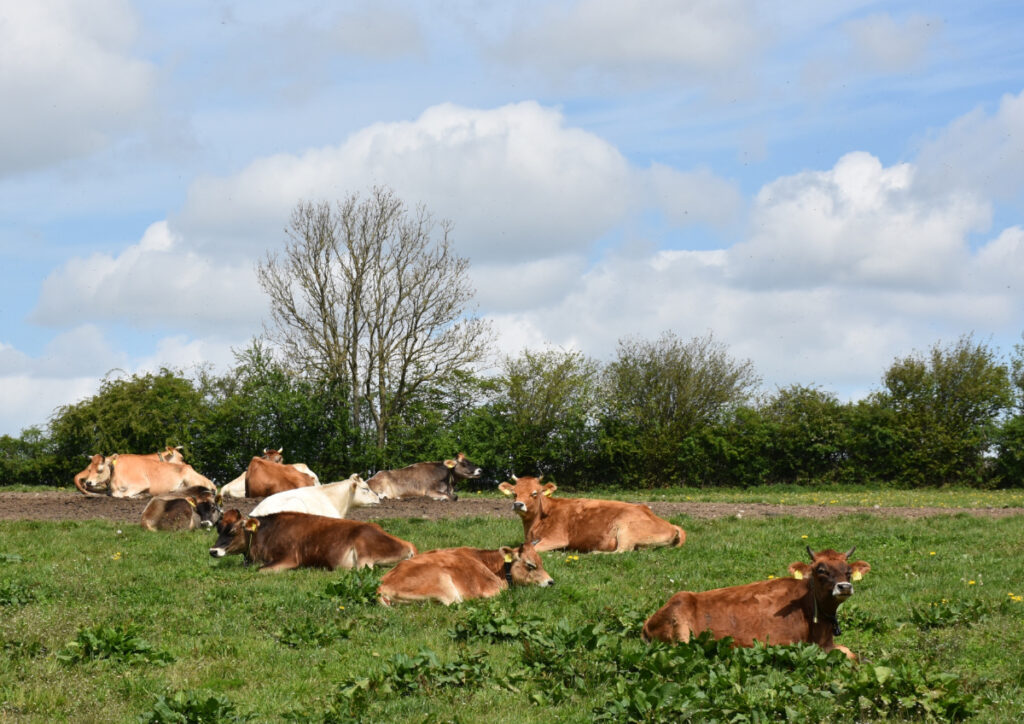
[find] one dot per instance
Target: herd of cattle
(301, 523)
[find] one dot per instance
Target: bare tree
(372, 294)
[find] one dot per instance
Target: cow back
(263, 478)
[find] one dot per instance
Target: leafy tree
(261, 403)
(657, 394)
(1009, 461)
(141, 413)
(947, 406)
(371, 295)
(541, 416)
(807, 435)
(28, 459)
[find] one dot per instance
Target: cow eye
(531, 567)
(533, 494)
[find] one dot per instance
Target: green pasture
(108, 623)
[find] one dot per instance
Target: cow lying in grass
(776, 611)
(184, 509)
(584, 524)
(282, 541)
(452, 575)
(333, 500)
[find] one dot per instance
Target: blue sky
(824, 186)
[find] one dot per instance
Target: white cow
(333, 500)
(236, 488)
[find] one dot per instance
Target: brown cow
(452, 575)
(236, 488)
(432, 480)
(585, 524)
(282, 541)
(186, 509)
(126, 476)
(264, 477)
(171, 454)
(776, 611)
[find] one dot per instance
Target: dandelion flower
(803, 536)
(970, 583)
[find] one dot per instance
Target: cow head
(361, 492)
(97, 475)
(529, 495)
(207, 505)
(171, 454)
(233, 534)
(274, 456)
(462, 468)
(524, 566)
(85, 481)
(830, 575)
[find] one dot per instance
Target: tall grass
(221, 642)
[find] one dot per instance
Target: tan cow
(776, 611)
(282, 541)
(184, 509)
(263, 478)
(452, 575)
(585, 524)
(170, 454)
(126, 476)
(236, 488)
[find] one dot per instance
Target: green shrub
(118, 643)
(192, 707)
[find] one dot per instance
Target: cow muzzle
(842, 591)
(218, 552)
(519, 507)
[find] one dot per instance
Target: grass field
(108, 624)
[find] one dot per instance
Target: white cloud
(695, 196)
(638, 40)
(888, 45)
(515, 180)
(69, 81)
(153, 285)
(30, 399)
(979, 152)
(858, 224)
(502, 288)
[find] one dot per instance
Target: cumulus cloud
(30, 399)
(887, 45)
(858, 224)
(69, 80)
(152, 284)
(515, 180)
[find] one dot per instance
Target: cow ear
(549, 489)
(799, 570)
(219, 500)
(509, 553)
(507, 489)
(191, 500)
(450, 463)
(859, 569)
(252, 524)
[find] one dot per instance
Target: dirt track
(65, 505)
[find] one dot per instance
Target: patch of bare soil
(67, 505)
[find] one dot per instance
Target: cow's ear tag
(547, 493)
(252, 525)
(508, 557)
(191, 502)
(857, 575)
(798, 575)
(450, 463)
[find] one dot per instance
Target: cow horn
(810, 553)
(514, 478)
(850, 552)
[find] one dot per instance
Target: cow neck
(490, 557)
(249, 534)
(819, 613)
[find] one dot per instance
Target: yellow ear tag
(547, 493)
(857, 575)
(450, 463)
(191, 502)
(798, 575)
(508, 558)
(252, 525)
(113, 462)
